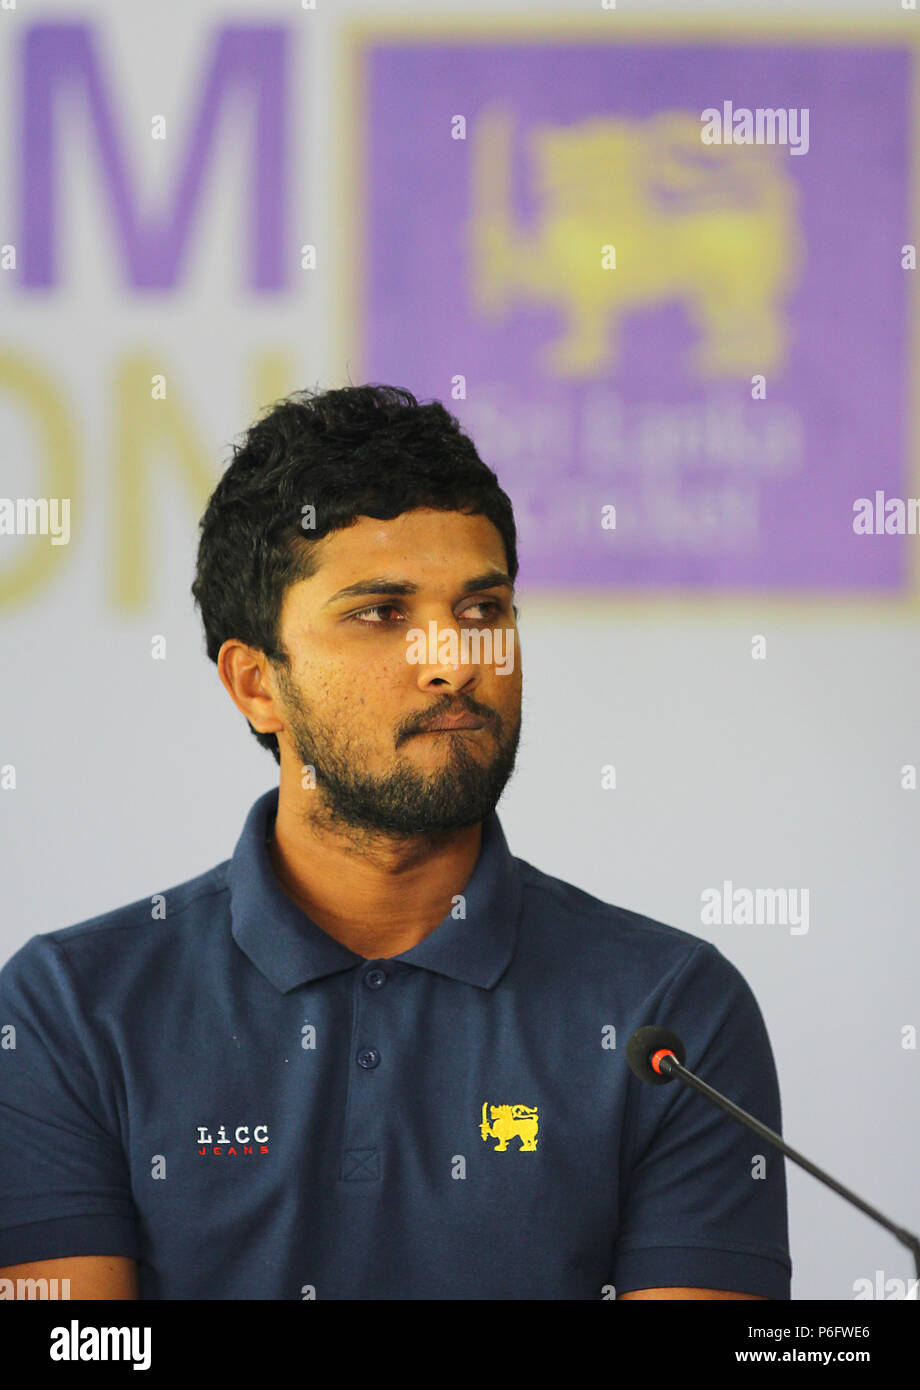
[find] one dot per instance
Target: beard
(405, 801)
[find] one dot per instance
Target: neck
(378, 894)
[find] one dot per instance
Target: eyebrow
(492, 579)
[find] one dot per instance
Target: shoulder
(130, 937)
(604, 951)
(560, 916)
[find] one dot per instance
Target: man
(372, 1055)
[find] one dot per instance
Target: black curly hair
(355, 451)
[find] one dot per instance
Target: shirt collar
(290, 949)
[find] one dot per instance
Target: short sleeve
(64, 1178)
(702, 1198)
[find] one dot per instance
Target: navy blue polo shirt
(210, 1083)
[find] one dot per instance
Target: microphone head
(642, 1046)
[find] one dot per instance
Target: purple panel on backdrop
(630, 383)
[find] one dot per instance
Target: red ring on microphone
(657, 1056)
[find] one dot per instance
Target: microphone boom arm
(669, 1065)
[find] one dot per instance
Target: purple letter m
(56, 54)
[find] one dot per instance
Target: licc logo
(224, 1147)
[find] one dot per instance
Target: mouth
(457, 723)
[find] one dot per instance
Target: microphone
(657, 1055)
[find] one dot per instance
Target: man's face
(358, 710)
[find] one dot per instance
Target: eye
(373, 622)
(370, 617)
(489, 603)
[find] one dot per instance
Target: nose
(450, 665)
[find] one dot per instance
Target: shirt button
(368, 1057)
(375, 978)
